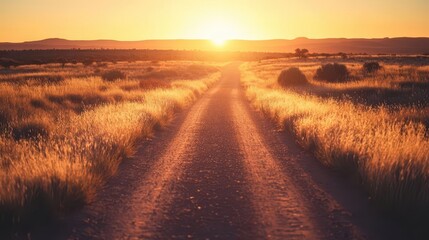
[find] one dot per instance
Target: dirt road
(221, 171)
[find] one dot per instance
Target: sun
(218, 41)
(218, 31)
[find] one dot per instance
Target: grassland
(373, 128)
(64, 130)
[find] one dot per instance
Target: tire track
(277, 203)
(139, 215)
(149, 202)
(289, 204)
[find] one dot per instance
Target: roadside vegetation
(369, 121)
(64, 128)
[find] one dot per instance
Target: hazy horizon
(205, 39)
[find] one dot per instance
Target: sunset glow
(219, 31)
(22, 20)
(219, 41)
(214, 119)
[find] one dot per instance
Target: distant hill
(330, 45)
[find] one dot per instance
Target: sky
(25, 20)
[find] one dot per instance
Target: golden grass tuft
(388, 154)
(59, 142)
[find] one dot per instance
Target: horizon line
(207, 39)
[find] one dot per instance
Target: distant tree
(343, 55)
(301, 53)
(297, 52)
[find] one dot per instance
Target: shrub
(31, 130)
(58, 99)
(343, 55)
(97, 71)
(4, 119)
(62, 61)
(102, 64)
(87, 62)
(113, 75)
(332, 72)
(166, 74)
(38, 103)
(75, 98)
(92, 99)
(371, 67)
(291, 77)
(51, 79)
(7, 62)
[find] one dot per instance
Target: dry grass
(385, 147)
(59, 141)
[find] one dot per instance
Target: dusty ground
(221, 171)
